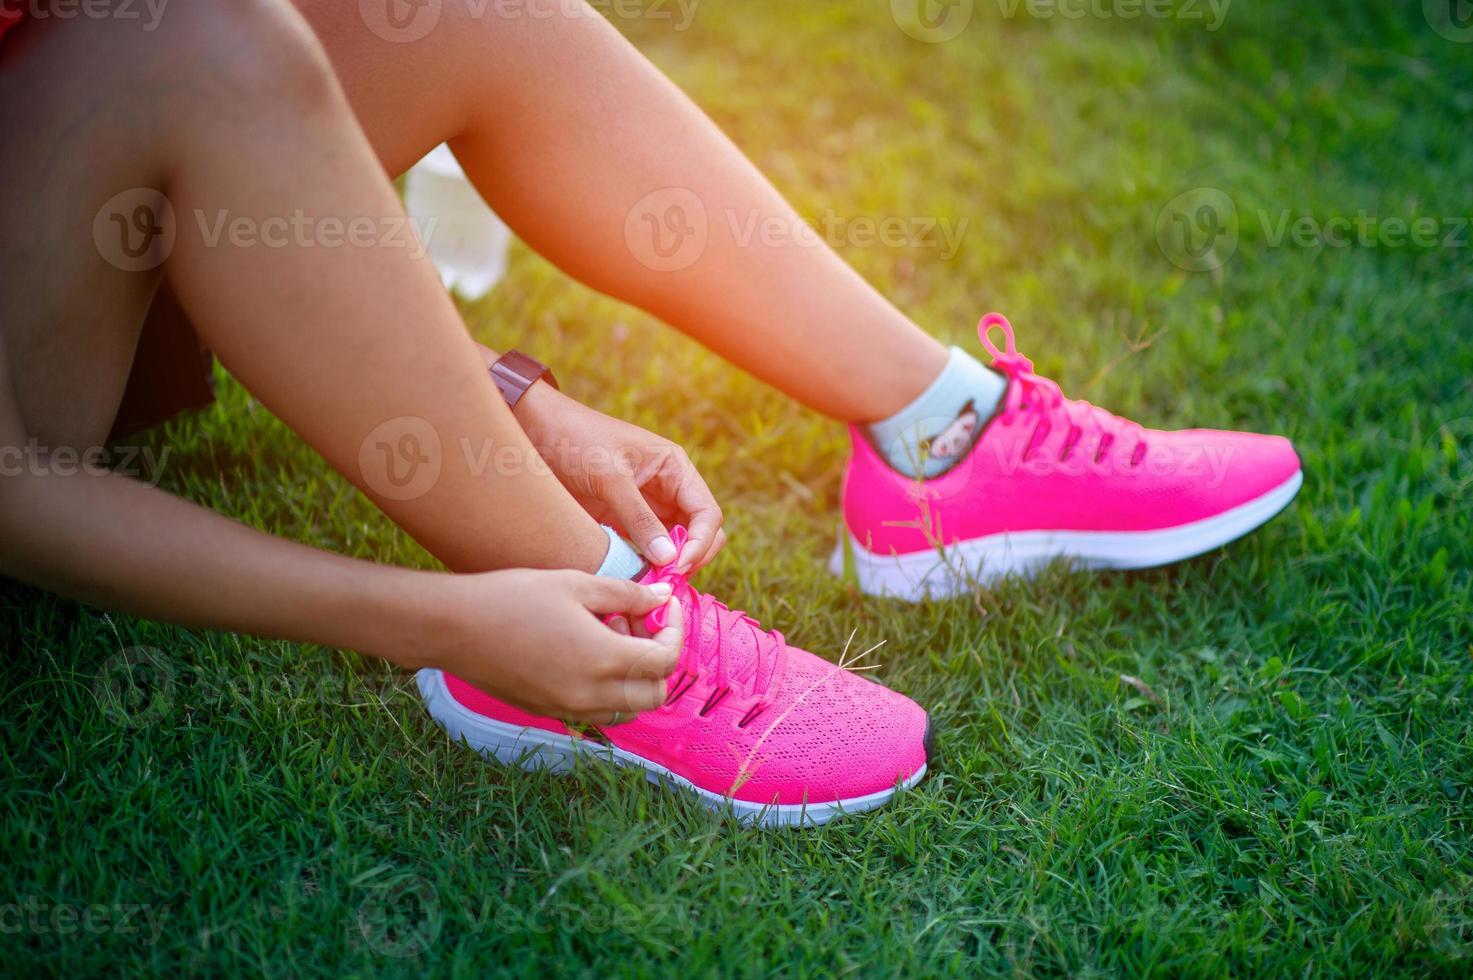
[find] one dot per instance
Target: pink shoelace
(770, 647)
(1033, 392)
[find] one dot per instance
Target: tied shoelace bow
(770, 646)
(1035, 391)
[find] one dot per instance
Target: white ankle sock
(622, 561)
(931, 434)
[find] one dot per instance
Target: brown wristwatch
(515, 372)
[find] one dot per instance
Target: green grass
(1299, 801)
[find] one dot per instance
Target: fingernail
(619, 625)
(662, 590)
(662, 550)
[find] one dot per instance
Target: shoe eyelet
(711, 702)
(751, 715)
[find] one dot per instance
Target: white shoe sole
(537, 749)
(979, 561)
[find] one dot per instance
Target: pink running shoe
(779, 736)
(1055, 478)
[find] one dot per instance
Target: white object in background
(466, 240)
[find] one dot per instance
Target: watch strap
(515, 372)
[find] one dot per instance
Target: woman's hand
(625, 476)
(537, 640)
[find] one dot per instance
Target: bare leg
(355, 346)
(567, 130)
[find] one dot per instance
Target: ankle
(937, 428)
(907, 379)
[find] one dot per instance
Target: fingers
(640, 694)
(602, 595)
(672, 637)
(718, 541)
(630, 680)
(626, 672)
(646, 664)
(643, 526)
(703, 514)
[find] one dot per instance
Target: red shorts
(10, 14)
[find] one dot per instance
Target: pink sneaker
(1055, 478)
(779, 736)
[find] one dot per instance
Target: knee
(261, 52)
(191, 60)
